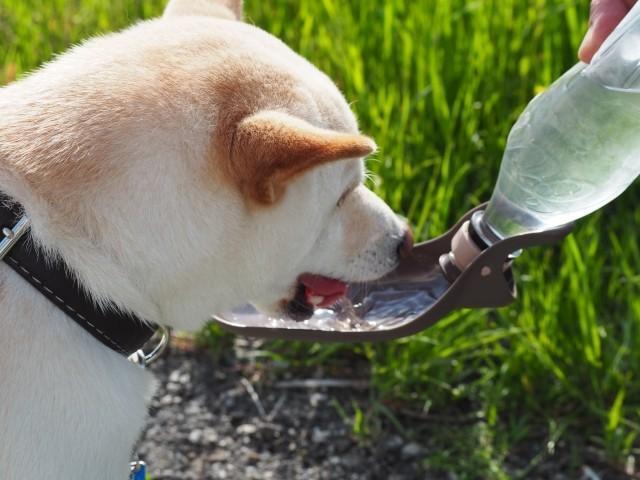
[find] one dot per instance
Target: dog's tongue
(322, 291)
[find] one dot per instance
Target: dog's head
(313, 224)
(211, 166)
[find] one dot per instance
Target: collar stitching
(67, 307)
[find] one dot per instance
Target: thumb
(605, 16)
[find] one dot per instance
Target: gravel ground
(211, 421)
(233, 419)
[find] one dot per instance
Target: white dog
(179, 168)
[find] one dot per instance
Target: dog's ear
(229, 9)
(268, 149)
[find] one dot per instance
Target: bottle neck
(481, 232)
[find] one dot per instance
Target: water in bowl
(380, 305)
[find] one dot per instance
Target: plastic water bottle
(576, 147)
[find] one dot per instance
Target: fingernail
(585, 50)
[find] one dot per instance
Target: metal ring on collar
(143, 359)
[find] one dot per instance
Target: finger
(605, 16)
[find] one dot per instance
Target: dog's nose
(406, 244)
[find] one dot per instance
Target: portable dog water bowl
(426, 286)
(574, 149)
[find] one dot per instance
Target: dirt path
(212, 422)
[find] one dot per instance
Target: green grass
(438, 83)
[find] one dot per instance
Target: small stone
(166, 400)
(174, 376)
(246, 429)
(195, 436)
(412, 451)
(192, 409)
(251, 455)
(317, 398)
(209, 436)
(219, 456)
(165, 415)
(319, 436)
(394, 442)
(196, 464)
(207, 417)
(220, 473)
(252, 473)
(173, 387)
(226, 442)
(154, 431)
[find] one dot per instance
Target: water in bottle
(576, 146)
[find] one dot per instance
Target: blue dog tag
(138, 471)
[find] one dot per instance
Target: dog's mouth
(314, 291)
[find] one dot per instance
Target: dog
(179, 168)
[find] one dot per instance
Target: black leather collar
(120, 331)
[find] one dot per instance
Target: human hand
(604, 17)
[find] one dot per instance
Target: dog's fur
(180, 167)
